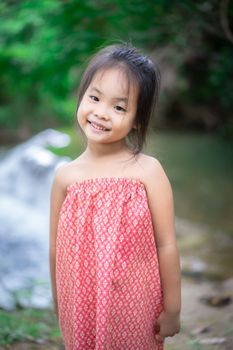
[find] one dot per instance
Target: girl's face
(107, 111)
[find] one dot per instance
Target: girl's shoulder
(147, 160)
(154, 174)
(149, 164)
(66, 174)
(147, 169)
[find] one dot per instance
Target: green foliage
(45, 45)
(28, 324)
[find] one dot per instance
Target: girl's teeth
(98, 127)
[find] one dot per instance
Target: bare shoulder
(155, 177)
(151, 165)
(64, 175)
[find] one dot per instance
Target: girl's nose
(101, 112)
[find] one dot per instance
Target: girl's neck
(105, 151)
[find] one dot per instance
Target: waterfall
(26, 175)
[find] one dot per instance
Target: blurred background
(44, 47)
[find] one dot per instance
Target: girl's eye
(94, 98)
(120, 109)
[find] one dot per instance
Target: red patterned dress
(107, 273)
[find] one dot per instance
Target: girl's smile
(97, 126)
(107, 111)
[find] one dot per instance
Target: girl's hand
(167, 325)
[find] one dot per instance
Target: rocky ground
(205, 326)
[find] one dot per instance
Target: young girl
(114, 262)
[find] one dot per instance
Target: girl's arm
(58, 193)
(160, 198)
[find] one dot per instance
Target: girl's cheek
(78, 116)
(84, 107)
(80, 111)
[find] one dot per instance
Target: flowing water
(26, 173)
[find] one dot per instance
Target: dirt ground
(201, 324)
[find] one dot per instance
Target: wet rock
(216, 300)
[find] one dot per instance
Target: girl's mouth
(98, 126)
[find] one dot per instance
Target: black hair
(140, 70)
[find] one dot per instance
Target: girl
(114, 262)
